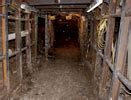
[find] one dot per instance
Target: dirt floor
(60, 78)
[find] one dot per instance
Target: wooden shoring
(18, 45)
(108, 46)
(36, 32)
(121, 51)
(129, 54)
(5, 47)
(96, 56)
(91, 42)
(51, 33)
(46, 36)
(34, 35)
(28, 44)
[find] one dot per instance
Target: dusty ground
(61, 78)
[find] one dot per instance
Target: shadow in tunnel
(66, 32)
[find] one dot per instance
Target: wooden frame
(117, 69)
(17, 37)
(121, 51)
(46, 36)
(18, 46)
(108, 46)
(31, 45)
(5, 47)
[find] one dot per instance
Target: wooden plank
(34, 35)
(108, 46)
(4, 48)
(28, 44)
(121, 52)
(18, 46)
(129, 43)
(28, 53)
(1, 76)
(22, 49)
(46, 36)
(12, 36)
(129, 54)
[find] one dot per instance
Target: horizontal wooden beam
(17, 18)
(22, 49)
(12, 36)
(63, 4)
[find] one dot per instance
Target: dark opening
(66, 32)
(41, 35)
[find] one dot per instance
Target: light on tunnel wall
(24, 6)
(69, 17)
(52, 17)
(28, 8)
(95, 5)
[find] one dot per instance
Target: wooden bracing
(29, 33)
(4, 45)
(117, 68)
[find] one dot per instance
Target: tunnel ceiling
(55, 6)
(42, 2)
(60, 5)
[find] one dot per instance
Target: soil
(62, 77)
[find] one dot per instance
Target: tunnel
(66, 32)
(65, 50)
(64, 69)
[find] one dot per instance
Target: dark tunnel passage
(65, 35)
(62, 76)
(66, 32)
(41, 31)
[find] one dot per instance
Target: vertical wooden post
(96, 56)
(129, 54)
(18, 45)
(81, 35)
(46, 36)
(28, 44)
(36, 32)
(91, 42)
(49, 33)
(5, 47)
(52, 36)
(108, 46)
(34, 35)
(121, 51)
